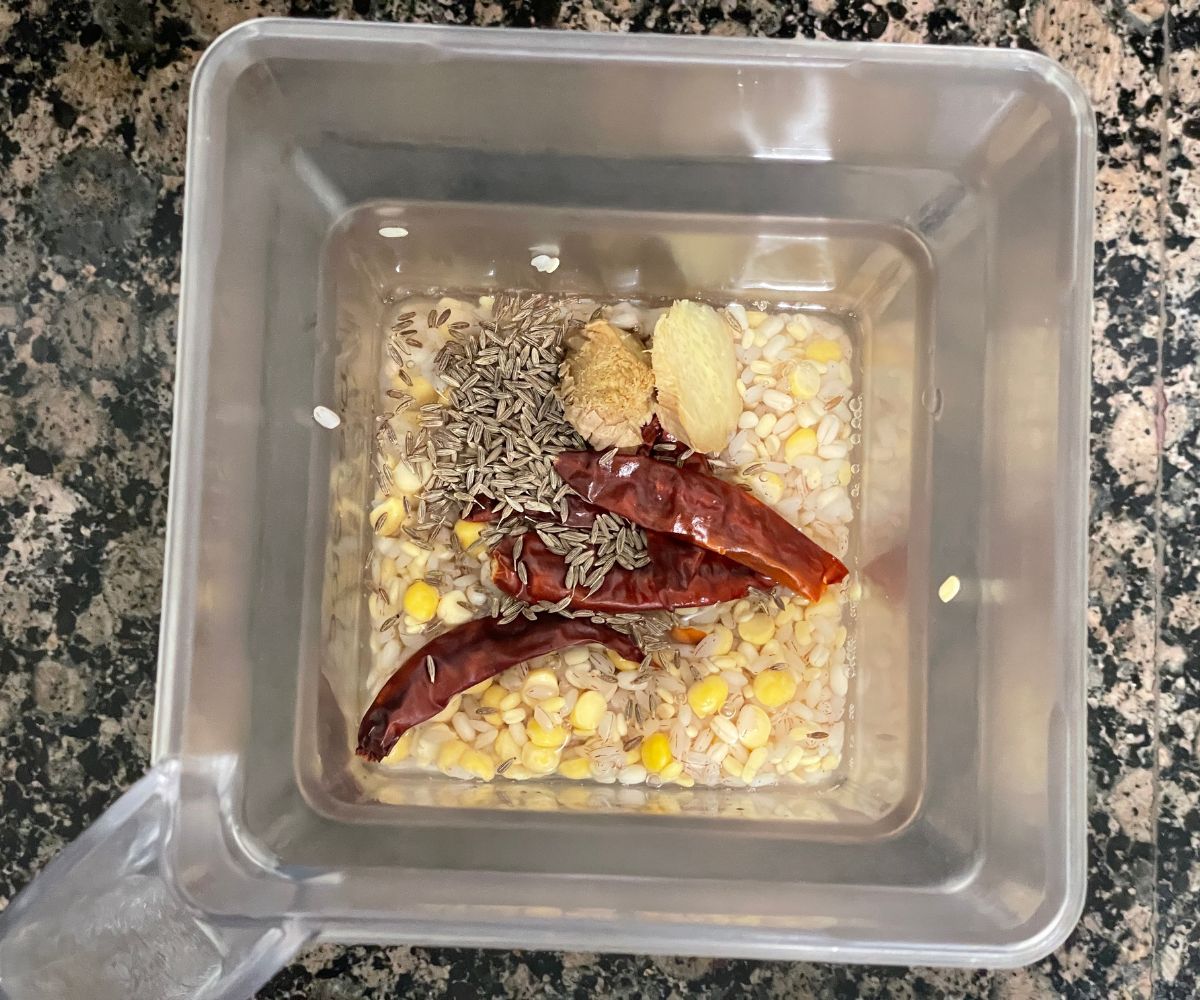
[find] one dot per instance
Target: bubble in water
(932, 400)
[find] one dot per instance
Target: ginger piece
(695, 372)
(607, 388)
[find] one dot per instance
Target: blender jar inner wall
(866, 276)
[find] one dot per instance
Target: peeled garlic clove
(607, 387)
(695, 373)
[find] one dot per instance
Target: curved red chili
(461, 658)
(679, 575)
(657, 443)
(707, 511)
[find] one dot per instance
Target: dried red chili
(659, 444)
(679, 575)
(461, 658)
(707, 511)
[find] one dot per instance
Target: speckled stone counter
(91, 171)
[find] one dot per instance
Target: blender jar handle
(103, 922)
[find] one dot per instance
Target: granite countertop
(91, 174)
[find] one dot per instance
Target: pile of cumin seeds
(494, 438)
(400, 341)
